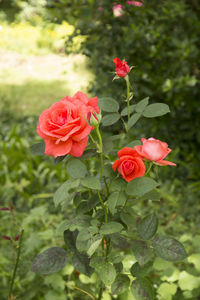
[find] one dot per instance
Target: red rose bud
(4, 208)
(5, 237)
(16, 238)
(122, 69)
(129, 164)
(95, 119)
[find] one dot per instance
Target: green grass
(32, 77)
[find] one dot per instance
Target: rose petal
(78, 148)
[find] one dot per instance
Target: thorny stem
(16, 264)
(128, 95)
(104, 207)
(149, 168)
(100, 151)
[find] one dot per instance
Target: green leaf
(82, 263)
(133, 119)
(50, 261)
(140, 271)
(169, 248)
(110, 119)
(148, 226)
(58, 159)
(63, 192)
(94, 247)
(76, 169)
(78, 222)
(188, 281)
(118, 267)
(108, 104)
(107, 273)
(140, 186)
(91, 183)
(112, 201)
(167, 290)
(141, 251)
(153, 195)
(142, 289)
(116, 199)
(87, 205)
(124, 112)
(70, 240)
(117, 185)
(111, 227)
(156, 110)
(140, 106)
(120, 285)
(38, 149)
(121, 199)
(96, 261)
(84, 235)
(128, 216)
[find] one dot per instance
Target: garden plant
(107, 176)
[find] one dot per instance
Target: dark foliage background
(161, 39)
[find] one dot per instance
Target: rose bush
(104, 224)
(64, 125)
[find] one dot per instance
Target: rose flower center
(128, 167)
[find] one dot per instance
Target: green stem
(149, 168)
(16, 264)
(107, 189)
(85, 292)
(104, 207)
(93, 140)
(128, 95)
(100, 292)
(100, 151)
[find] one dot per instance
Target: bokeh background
(53, 48)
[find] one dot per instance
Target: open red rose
(129, 164)
(154, 150)
(122, 69)
(64, 126)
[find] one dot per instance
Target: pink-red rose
(64, 125)
(135, 3)
(129, 164)
(122, 69)
(154, 150)
(117, 10)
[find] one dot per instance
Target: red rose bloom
(64, 126)
(122, 69)
(129, 164)
(154, 150)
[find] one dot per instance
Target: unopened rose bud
(95, 119)
(4, 208)
(122, 68)
(5, 237)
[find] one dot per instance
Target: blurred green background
(50, 49)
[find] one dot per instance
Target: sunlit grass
(32, 77)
